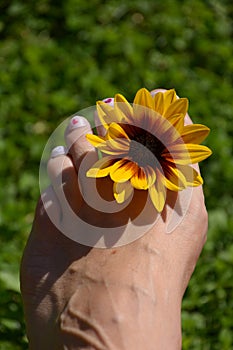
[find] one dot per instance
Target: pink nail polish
(74, 120)
(77, 122)
(109, 101)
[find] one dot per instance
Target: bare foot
(125, 298)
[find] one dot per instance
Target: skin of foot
(120, 298)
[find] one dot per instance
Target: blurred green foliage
(57, 57)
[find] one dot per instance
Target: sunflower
(147, 146)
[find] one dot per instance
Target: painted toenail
(109, 100)
(77, 122)
(58, 151)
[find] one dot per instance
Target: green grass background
(57, 57)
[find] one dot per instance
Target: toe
(82, 153)
(77, 143)
(64, 180)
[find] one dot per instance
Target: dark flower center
(145, 148)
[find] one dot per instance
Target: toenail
(58, 151)
(109, 101)
(155, 91)
(77, 122)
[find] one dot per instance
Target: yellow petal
(165, 132)
(123, 170)
(147, 119)
(177, 107)
(158, 195)
(151, 175)
(169, 184)
(114, 147)
(120, 98)
(122, 105)
(159, 103)
(139, 180)
(122, 191)
(119, 146)
(169, 97)
(193, 178)
(144, 98)
(194, 133)
(101, 168)
(186, 153)
(173, 178)
(160, 127)
(95, 140)
(177, 122)
(144, 178)
(107, 114)
(116, 131)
